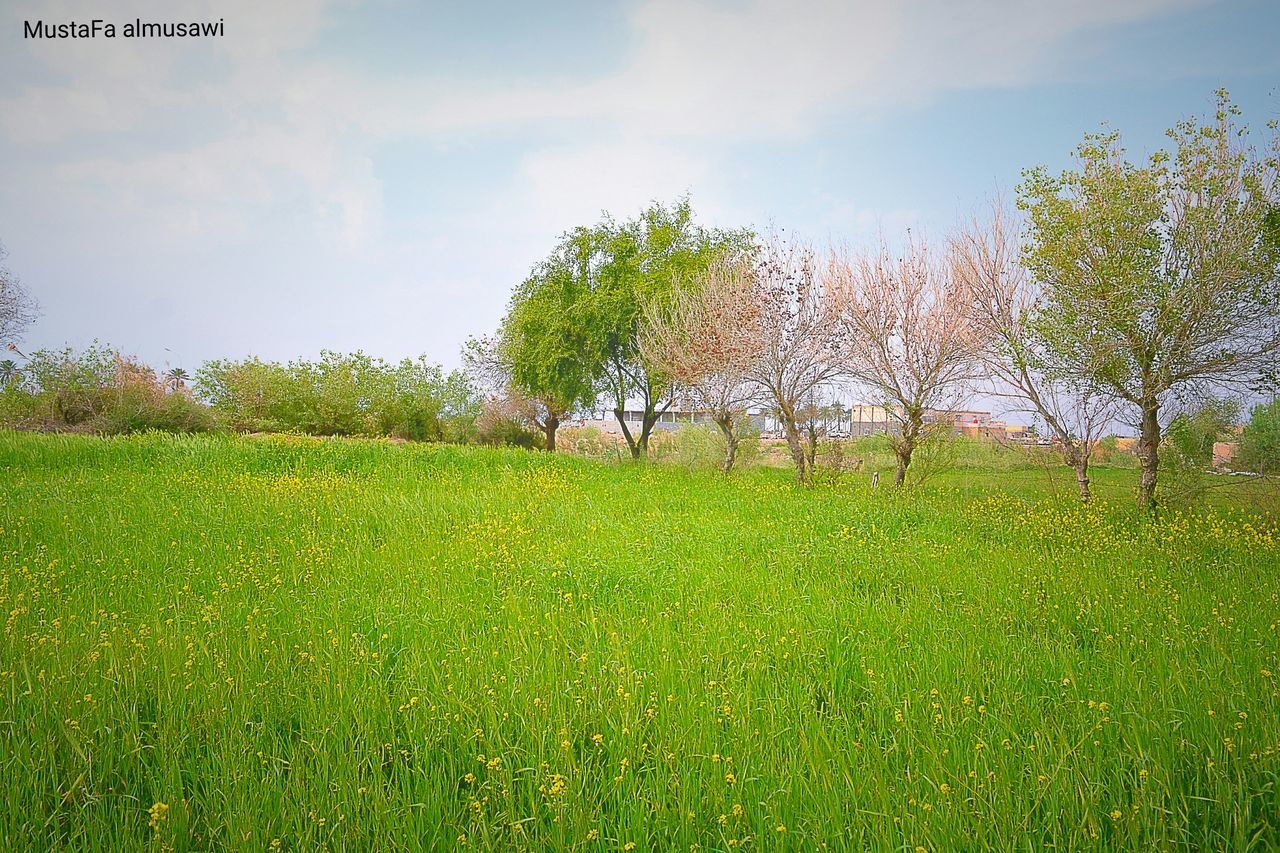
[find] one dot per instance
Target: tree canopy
(572, 329)
(1159, 278)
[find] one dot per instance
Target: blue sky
(380, 175)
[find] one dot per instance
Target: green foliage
(701, 446)
(70, 387)
(342, 394)
(693, 446)
(507, 421)
(1160, 278)
(1130, 300)
(96, 390)
(589, 441)
(18, 406)
(1260, 441)
(571, 331)
(749, 450)
(640, 262)
(1188, 449)
(350, 645)
(1192, 434)
(545, 342)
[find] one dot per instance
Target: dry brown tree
(490, 368)
(1076, 408)
(707, 337)
(906, 337)
(17, 309)
(799, 328)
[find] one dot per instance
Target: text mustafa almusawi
(104, 29)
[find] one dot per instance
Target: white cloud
(769, 68)
(763, 68)
(151, 148)
(571, 184)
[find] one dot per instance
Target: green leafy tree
(1192, 434)
(341, 394)
(1260, 441)
(250, 395)
(1159, 279)
(637, 267)
(544, 351)
(571, 333)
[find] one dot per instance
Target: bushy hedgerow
(97, 390)
(343, 394)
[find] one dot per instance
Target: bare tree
(799, 329)
(1075, 407)
(907, 337)
(488, 364)
(17, 309)
(708, 337)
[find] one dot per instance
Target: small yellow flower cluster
(159, 812)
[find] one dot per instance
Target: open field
(295, 644)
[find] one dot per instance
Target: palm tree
(8, 371)
(176, 378)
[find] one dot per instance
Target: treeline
(96, 390)
(342, 394)
(1113, 292)
(102, 391)
(1116, 292)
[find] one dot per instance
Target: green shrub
(17, 406)
(1260, 441)
(691, 446)
(1187, 450)
(97, 390)
(589, 441)
(343, 394)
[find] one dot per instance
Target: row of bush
(96, 390)
(342, 394)
(102, 391)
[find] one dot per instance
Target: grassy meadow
(302, 644)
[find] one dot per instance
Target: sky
(379, 176)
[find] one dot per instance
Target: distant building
(672, 419)
(833, 421)
(1224, 452)
(839, 421)
(970, 422)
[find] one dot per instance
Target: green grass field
(302, 644)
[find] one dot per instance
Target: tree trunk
(646, 429)
(906, 446)
(903, 452)
(795, 445)
(626, 433)
(725, 422)
(549, 427)
(1149, 454)
(1080, 464)
(813, 447)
